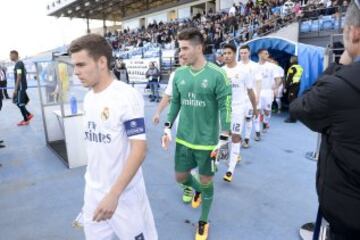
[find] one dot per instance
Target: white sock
(278, 102)
(257, 124)
(235, 153)
(267, 118)
(248, 127)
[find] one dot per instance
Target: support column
(87, 25)
(104, 26)
(217, 2)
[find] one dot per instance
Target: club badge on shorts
(105, 114)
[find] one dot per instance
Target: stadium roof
(113, 10)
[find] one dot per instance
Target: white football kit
(266, 74)
(240, 82)
(279, 73)
(112, 118)
(251, 68)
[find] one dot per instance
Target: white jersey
(251, 68)
(266, 73)
(169, 87)
(112, 118)
(279, 71)
(240, 82)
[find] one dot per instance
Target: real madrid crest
(105, 114)
(204, 83)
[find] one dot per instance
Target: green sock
(192, 182)
(207, 193)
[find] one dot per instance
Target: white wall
(184, 12)
(132, 24)
(224, 4)
(159, 17)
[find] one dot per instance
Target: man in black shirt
(20, 97)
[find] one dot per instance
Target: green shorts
(187, 159)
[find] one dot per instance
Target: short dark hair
(95, 45)
(245, 46)
(261, 50)
(230, 46)
(191, 34)
(14, 52)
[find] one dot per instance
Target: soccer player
(242, 88)
(20, 97)
(279, 78)
(202, 92)
(250, 67)
(115, 199)
(187, 191)
(266, 86)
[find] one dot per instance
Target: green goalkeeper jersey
(202, 96)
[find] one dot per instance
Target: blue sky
(25, 27)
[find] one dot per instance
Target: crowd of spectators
(243, 21)
(237, 24)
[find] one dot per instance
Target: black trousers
(293, 91)
(344, 235)
(3, 84)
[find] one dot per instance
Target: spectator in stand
(232, 10)
(120, 71)
(153, 75)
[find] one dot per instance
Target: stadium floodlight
(77, 8)
(87, 4)
(69, 11)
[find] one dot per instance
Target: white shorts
(266, 100)
(133, 218)
(237, 119)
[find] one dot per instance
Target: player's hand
(166, 138)
(14, 93)
(223, 140)
(156, 119)
(255, 112)
(106, 208)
